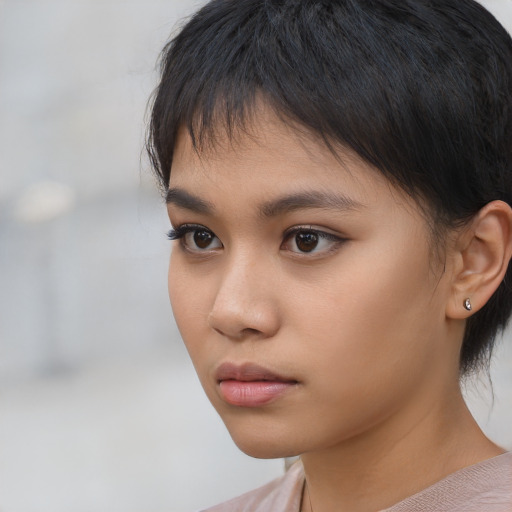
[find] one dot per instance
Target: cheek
(189, 301)
(360, 357)
(367, 321)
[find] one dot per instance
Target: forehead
(268, 156)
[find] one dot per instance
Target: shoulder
(283, 494)
(484, 486)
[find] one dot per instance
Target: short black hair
(420, 89)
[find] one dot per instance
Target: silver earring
(467, 305)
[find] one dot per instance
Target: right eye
(195, 238)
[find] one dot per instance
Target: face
(305, 289)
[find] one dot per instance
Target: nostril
(250, 331)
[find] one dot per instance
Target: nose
(245, 305)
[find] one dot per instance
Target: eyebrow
(285, 204)
(184, 199)
(309, 200)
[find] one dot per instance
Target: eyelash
(310, 229)
(179, 233)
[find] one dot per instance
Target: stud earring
(467, 305)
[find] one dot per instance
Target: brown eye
(203, 238)
(311, 242)
(196, 239)
(306, 241)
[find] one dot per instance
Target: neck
(381, 467)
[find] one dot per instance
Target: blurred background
(100, 409)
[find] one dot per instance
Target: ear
(483, 251)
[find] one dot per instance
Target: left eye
(200, 239)
(195, 238)
(307, 241)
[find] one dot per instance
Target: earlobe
(484, 250)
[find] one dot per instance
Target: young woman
(338, 176)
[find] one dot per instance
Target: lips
(251, 385)
(248, 373)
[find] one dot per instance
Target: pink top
(484, 487)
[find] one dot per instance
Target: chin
(265, 443)
(265, 450)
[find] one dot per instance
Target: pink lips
(250, 385)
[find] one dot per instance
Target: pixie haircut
(420, 89)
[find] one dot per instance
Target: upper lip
(248, 372)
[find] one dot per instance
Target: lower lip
(252, 393)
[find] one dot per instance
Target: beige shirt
(484, 487)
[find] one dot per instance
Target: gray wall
(99, 407)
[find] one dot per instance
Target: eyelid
(334, 241)
(312, 229)
(180, 233)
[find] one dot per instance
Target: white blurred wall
(99, 407)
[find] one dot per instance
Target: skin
(362, 323)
